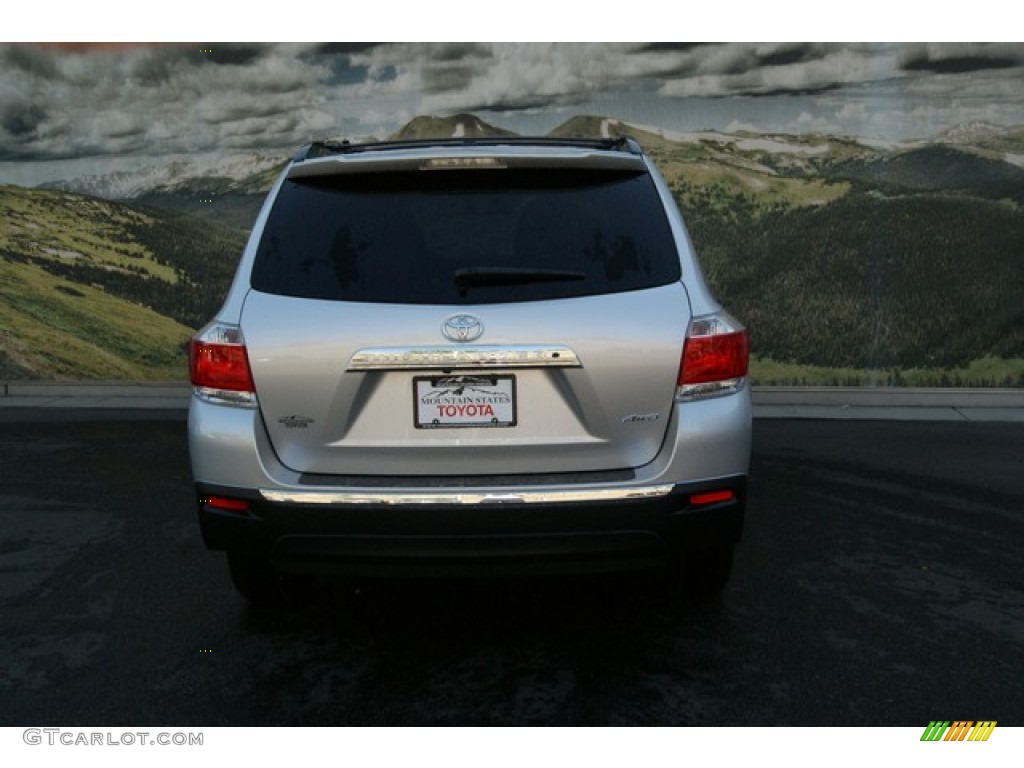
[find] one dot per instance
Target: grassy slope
(51, 327)
(50, 224)
(725, 166)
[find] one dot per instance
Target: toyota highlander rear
(477, 357)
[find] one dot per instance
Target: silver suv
(476, 356)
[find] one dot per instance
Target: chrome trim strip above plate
(477, 356)
(465, 497)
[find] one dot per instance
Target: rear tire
(701, 573)
(256, 579)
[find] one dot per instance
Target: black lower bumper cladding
(494, 539)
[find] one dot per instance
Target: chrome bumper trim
(462, 497)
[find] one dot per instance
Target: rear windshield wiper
(469, 277)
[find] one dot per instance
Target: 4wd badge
(295, 422)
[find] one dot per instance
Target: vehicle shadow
(545, 651)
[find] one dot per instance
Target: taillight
(219, 366)
(715, 357)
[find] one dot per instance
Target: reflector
(710, 497)
(226, 504)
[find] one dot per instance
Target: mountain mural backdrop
(851, 262)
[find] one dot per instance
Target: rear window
(466, 236)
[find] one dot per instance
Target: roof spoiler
(327, 148)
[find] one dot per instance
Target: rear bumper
(474, 535)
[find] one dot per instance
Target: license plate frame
(465, 401)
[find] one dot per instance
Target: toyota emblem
(462, 328)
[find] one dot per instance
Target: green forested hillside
(937, 168)
(95, 289)
(226, 210)
(868, 281)
(854, 265)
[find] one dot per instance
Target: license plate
(464, 401)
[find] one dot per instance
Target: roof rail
(328, 148)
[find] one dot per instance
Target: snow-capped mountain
(977, 132)
(183, 182)
(237, 173)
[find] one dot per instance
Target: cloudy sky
(67, 109)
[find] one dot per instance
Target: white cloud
(494, 75)
(808, 123)
(854, 111)
(61, 103)
(164, 99)
(736, 126)
(738, 70)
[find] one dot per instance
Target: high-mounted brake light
(219, 366)
(715, 358)
(449, 163)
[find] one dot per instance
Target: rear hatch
(471, 321)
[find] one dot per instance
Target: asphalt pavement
(878, 583)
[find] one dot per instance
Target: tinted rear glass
(465, 237)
